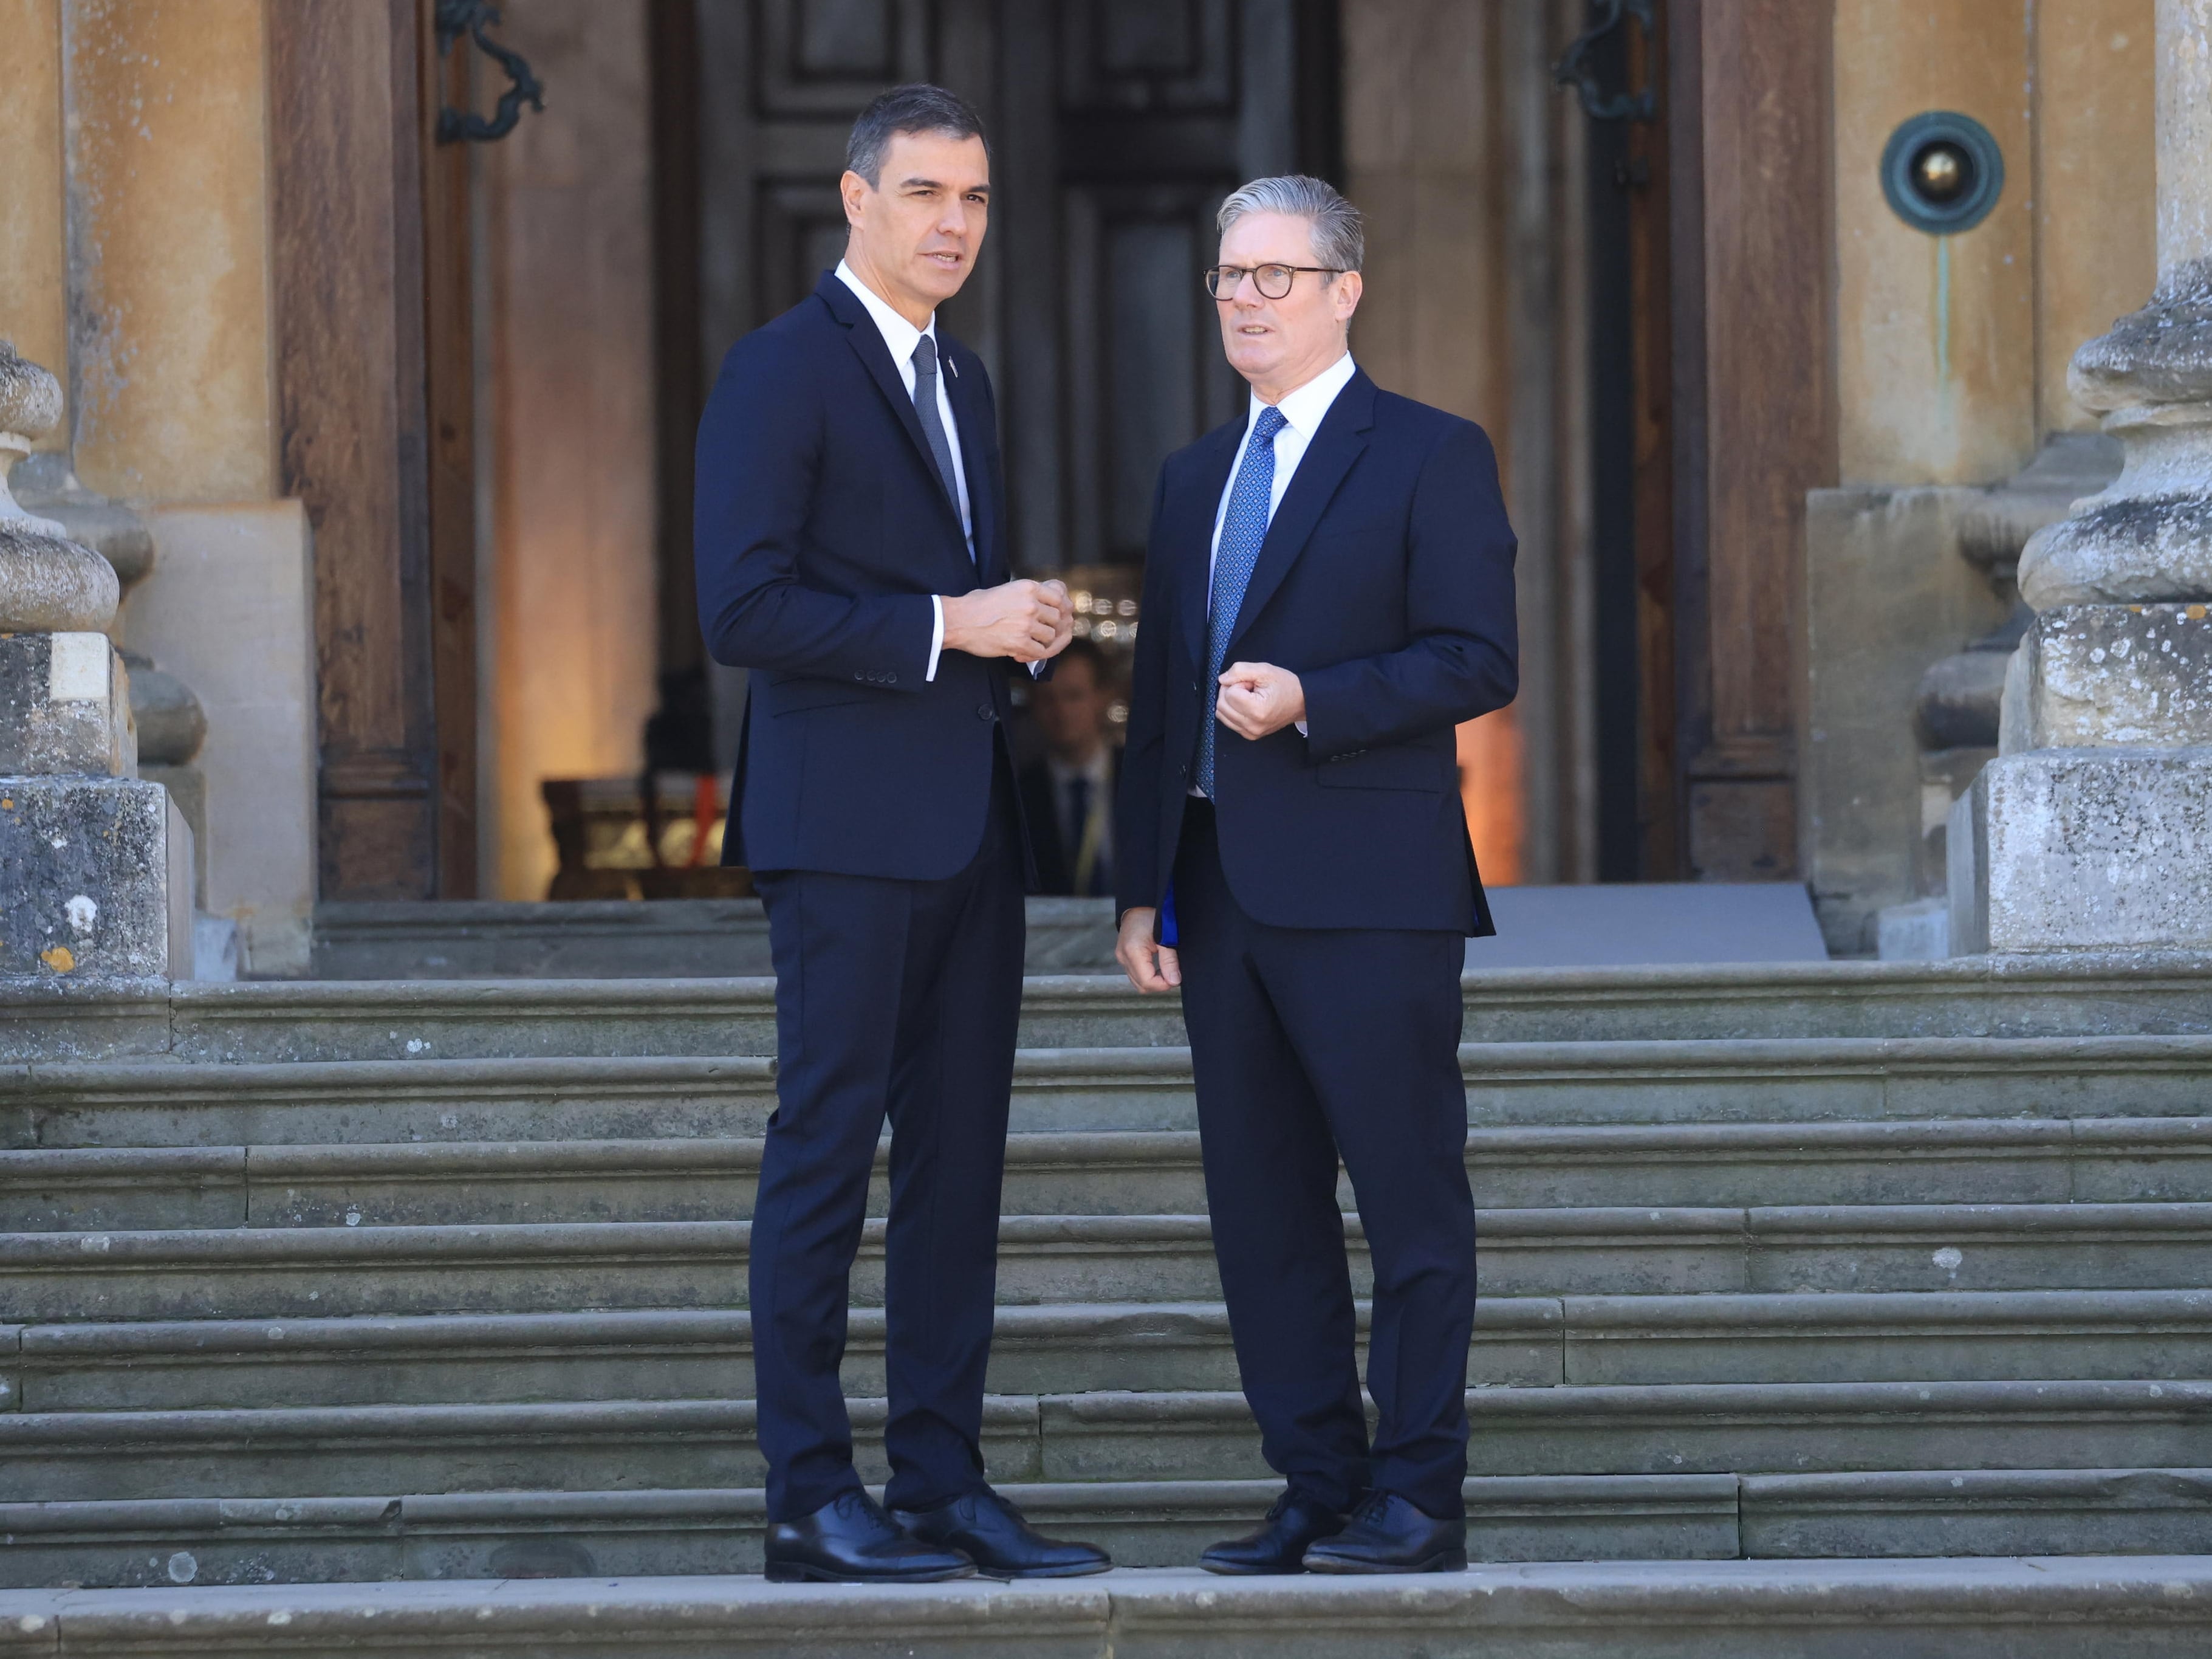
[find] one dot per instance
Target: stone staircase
(312, 1283)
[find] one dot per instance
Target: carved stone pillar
(2092, 828)
(95, 864)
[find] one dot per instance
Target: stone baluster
(99, 861)
(2092, 828)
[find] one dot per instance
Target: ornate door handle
(455, 18)
(1575, 68)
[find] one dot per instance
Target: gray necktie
(933, 427)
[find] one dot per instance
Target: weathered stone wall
(34, 246)
(1886, 595)
(64, 706)
(134, 261)
(1952, 351)
(169, 361)
(1952, 355)
(227, 609)
(95, 879)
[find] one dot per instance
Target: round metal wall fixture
(1942, 172)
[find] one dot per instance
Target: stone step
(427, 1183)
(166, 1543)
(706, 1353)
(1535, 1085)
(2068, 995)
(690, 1353)
(1685, 1429)
(2149, 1608)
(256, 1272)
(654, 939)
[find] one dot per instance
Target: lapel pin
(952, 369)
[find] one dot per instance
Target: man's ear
(1349, 288)
(855, 191)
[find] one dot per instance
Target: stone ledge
(1106, 1438)
(1653, 1087)
(1970, 1609)
(2056, 994)
(252, 1272)
(713, 1178)
(659, 1353)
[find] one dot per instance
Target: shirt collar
(1303, 410)
(900, 335)
(1098, 770)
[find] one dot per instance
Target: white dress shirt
(902, 337)
(1302, 412)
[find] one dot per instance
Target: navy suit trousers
(893, 999)
(1308, 1043)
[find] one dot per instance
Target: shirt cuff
(936, 633)
(1303, 732)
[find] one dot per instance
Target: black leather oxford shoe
(990, 1531)
(1390, 1533)
(1294, 1521)
(850, 1540)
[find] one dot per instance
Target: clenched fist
(1028, 621)
(1259, 699)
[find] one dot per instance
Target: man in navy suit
(852, 553)
(1328, 591)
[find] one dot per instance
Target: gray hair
(918, 107)
(1339, 237)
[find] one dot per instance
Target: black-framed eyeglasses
(1273, 280)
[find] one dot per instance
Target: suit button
(985, 712)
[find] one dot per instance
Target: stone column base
(2084, 849)
(95, 879)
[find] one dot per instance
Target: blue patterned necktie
(1243, 527)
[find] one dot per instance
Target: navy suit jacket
(1386, 584)
(822, 529)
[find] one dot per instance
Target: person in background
(1068, 791)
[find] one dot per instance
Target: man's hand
(1258, 699)
(1028, 621)
(1058, 590)
(1151, 967)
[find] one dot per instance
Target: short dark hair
(1080, 649)
(915, 108)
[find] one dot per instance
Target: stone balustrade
(99, 861)
(2092, 828)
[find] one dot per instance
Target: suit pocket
(801, 692)
(1400, 766)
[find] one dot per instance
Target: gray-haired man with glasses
(1328, 591)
